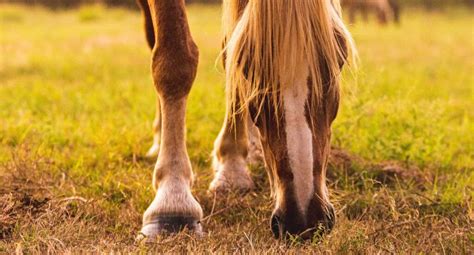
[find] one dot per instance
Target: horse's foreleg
(365, 13)
(155, 147)
(383, 12)
(395, 6)
(352, 14)
(174, 65)
(230, 156)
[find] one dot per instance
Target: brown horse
(283, 61)
(385, 10)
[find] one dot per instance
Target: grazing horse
(385, 10)
(283, 60)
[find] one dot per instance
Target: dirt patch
(23, 191)
(14, 206)
(391, 172)
(342, 163)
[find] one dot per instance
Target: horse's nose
(323, 226)
(315, 226)
(276, 226)
(330, 220)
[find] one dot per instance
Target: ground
(76, 108)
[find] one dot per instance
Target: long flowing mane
(271, 38)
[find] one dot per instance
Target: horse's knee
(174, 69)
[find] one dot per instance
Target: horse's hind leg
(255, 156)
(155, 147)
(395, 6)
(365, 13)
(150, 38)
(352, 14)
(174, 65)
(230, 156)
(383, 11)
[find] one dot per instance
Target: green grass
(76, 107)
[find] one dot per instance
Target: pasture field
(76, 108)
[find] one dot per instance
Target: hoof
(241, 184)
(225, 187)
(283, 226)
(231, 176)
(170, 225)
(153, 151)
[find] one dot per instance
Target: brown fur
(175, 55)
(174, 66)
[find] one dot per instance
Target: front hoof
(170, 225)
(153, 151)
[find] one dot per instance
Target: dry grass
(385, 211)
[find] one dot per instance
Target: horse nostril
(330, 218)
(275, 225)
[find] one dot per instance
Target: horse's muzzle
(284, 226)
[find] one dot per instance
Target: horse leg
(174, 65)
(255, 156)
(365, 13)
(147, 22)
(382, 12)
(352, 14)
(155, 148)
(395, 6)
(230, 156)
(150, 38)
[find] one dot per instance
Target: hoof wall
(170, 225)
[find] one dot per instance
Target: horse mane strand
(270, 39)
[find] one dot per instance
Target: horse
(283, 61)
(385, 10)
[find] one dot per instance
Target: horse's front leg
(174, 65)
(230, 156)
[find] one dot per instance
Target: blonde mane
(272, 38)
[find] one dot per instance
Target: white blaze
(299, 137)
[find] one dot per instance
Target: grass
(76, 107)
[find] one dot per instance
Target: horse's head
(283, 66)
(296, 148)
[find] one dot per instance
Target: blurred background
(429, 4)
